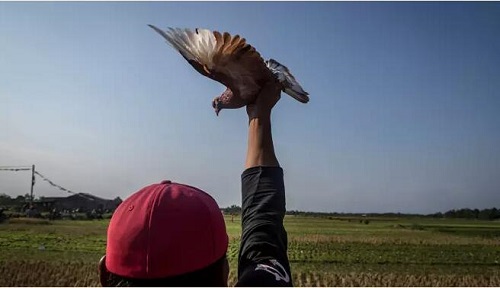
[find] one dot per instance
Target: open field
(322, 251)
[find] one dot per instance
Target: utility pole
(32, 183)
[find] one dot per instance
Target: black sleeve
(263, 259)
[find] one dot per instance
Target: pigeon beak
(215, 104)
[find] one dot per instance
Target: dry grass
(42, 273)
(392, 279)
(404, 237)
(29, 221)
(322, 252)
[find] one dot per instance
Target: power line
(20, 168)
(10, 166)
(15, 169)
(25, 168)
(62, 188)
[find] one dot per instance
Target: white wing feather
(196, 45)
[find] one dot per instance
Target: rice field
(322, 252)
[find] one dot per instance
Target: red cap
(165, 230)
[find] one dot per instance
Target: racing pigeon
(232, 62)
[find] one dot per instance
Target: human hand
(268, 96)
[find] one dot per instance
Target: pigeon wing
(290, 85)
(221, 57)
(240, 65)
(197, 47)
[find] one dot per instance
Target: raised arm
(263, 257)
(260, 150)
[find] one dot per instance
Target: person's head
(166, 234)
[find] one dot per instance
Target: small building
(82, 202)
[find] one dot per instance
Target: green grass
(322, 252)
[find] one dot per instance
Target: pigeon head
(227, 100)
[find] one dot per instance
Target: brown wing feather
(239, 66)
(227, 39)
(219, 40)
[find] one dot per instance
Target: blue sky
(404, 111)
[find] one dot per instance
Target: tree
(20, 199)
(233, 209)
(494, 214)
(27, 197)
(5, 200)
(476, 213)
